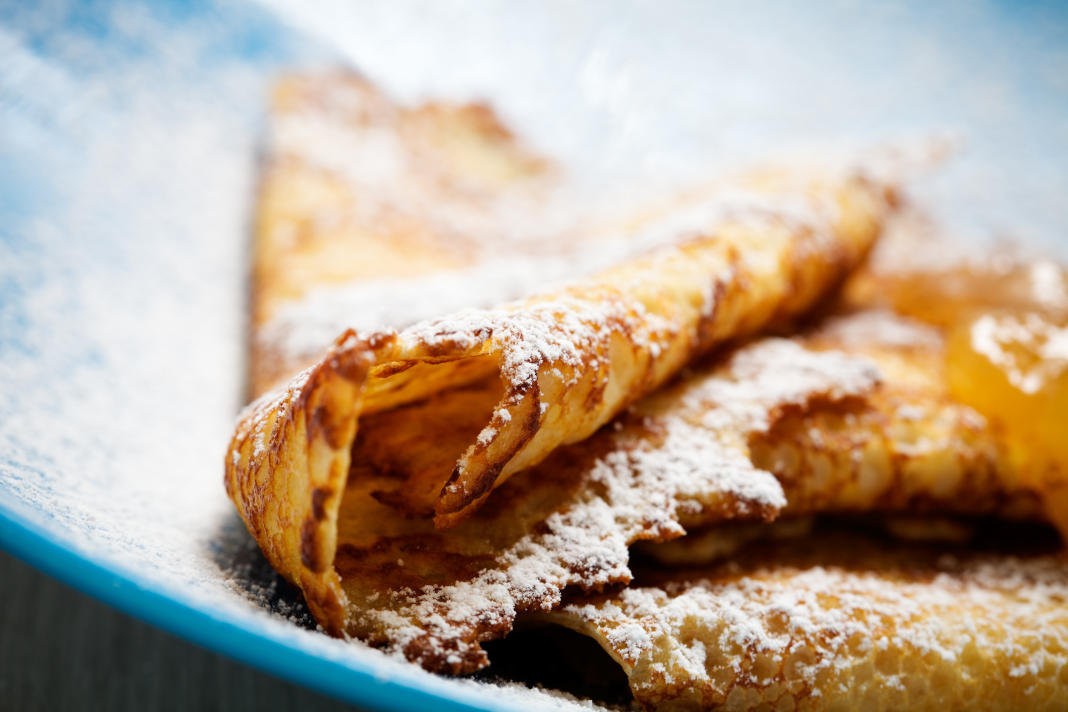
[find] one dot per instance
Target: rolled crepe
(841, 622)
(568, 360)
(850, 418)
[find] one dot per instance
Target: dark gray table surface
(62, 650)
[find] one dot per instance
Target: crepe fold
(527, 377)
(841, 621)
(773, 430)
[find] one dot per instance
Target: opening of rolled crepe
(410, 450)
(558, 658)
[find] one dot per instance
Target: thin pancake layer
(841, 622)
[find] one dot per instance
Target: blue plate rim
(347, 680)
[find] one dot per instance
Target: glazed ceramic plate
(128, 145)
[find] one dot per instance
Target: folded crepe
(1004, 319)
(435, 595)
(510, 385)
(781, 428)
(840, 621)
(910, 446)
(852, 417)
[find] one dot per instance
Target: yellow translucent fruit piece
(943, 297)
(1013, 368)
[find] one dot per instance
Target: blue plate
(128, 142)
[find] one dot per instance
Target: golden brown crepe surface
(570, 358)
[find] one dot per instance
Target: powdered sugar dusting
(560, 331)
